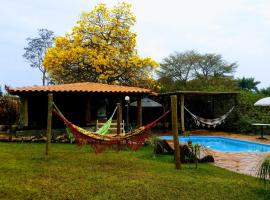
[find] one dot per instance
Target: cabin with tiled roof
(82, 103)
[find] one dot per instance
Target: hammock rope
(99, 143)
(200, 121)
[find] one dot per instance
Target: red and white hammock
(133, 140)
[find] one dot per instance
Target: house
(82, 103)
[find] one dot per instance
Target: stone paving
(245, 163)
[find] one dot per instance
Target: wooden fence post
(49, 123)
(175, 132)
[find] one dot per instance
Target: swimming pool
(224, 144)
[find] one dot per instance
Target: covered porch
(203, 103)
(81, 103)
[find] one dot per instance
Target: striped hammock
(99, 142)
(199, 121)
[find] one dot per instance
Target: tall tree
(213, 65)
(248, 84)
(36, 49)
(100, 48)
(194, 71)
(179, 66)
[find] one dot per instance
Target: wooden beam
(175, 132)
(139, 111)
(88, 110)
(182, 107)
(119, 118)
(49, 123)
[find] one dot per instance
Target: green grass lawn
(71, 172)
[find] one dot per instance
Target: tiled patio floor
(245, 163)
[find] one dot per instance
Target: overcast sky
(237, 29)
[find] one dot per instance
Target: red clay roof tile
(81, 87)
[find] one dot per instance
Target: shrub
(8, 110)
(246, 113)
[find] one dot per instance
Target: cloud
(237, 29)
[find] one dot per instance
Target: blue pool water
(224, 144)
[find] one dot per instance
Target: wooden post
(24, 112)
(139, 111)
(88, 110)
(182, 107)
(119, 118)
(213, 106)
(49, 123)
(21, 120)
(175, 132)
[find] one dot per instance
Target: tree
(213, 84)
(166, 84)
(100, 48)
(213, 65)
(179, 66)
(265, 91)
(36, 49)
(248, 84)
(191, 70)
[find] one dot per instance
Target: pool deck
(244, 163)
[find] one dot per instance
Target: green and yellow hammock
(106, 126)
(99, 142)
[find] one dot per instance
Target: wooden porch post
(175, 132)
(49, 123)
(119, 118)
(24, 111)
(139, 111)
(182, 113)
(88, 110)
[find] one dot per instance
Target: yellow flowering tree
(101, 48)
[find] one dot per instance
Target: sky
(239, 30)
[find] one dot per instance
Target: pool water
(224, 144)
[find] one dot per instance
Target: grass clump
(264, 170)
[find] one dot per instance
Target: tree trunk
(43, 78)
